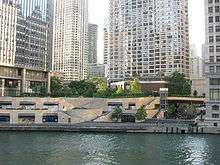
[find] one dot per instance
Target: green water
(108, 149)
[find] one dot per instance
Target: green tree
(135, 88)
(141, 113)
(120, 91)
(56, 87)
(117, 113)
(178, 85)
(82, 88)
(102, 89)
(191, 112)
(170, 112)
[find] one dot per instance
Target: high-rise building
(71, 39)
(93, 38)
(25, 46)
(147, 38)
(212, 61)
(34, 34)
(8, 19)
(196, 64)
(105, 46)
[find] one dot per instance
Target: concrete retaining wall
(111, 127)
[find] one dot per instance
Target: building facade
(24, 51)
(34, 36)
(8, 20)
(196, 64)
(92, 41)
(71, 39)
(212, 61)
(96, 70)
(147, 38)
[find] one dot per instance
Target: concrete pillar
(38, 117)
(48, 83)
(3, 87)
(13, 117)
(23, 81)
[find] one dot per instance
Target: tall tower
(212, 61)
(93, 37)
(34, 36)
(8, 20)
(71, 38)
(147, 38)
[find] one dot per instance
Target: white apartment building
(147, 38)
(92, 41)
(212, 61)
(8, 20)
(71, 38)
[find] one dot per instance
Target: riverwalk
(169, 128)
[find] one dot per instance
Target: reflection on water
(108, 149)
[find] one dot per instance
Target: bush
(141, 113)
(117, 113)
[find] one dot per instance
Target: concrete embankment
(113, 128)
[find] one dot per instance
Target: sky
(99, 8)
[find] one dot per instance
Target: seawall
(112, 128)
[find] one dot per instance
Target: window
(211, 69)
(216, 116)
(210, 19)
(217, 28)
(217, 38)
(218, 69)
(214, 94)
(214, 81)
(211, 39)
(217, 48)
(211, 49)
(217, 9)
(210, 9)
(210, 29)
(217, 19)
(215, 108)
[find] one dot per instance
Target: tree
(141, 113)
(171, 112)
(102, 89)
(120, 91)
(82, 88)
(191, 112)
(178, 85)
(135, 88)
(117, 113)
(55, 87)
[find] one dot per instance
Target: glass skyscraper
(29, 6)
(34, 34)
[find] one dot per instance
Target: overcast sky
(98, 10)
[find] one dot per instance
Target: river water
(108, 149)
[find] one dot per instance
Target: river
(107, 149)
